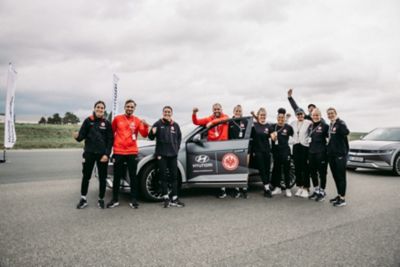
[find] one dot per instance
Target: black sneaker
(82, 204)
(112, 204)
(100, 203)
(320, 196)
(166, 203)
(313, 196)
(134, 204)
(177, 203)
(333, 200)
(236, 193)
(244, 194)
(267, 193)
(340, 203)
(222, 194)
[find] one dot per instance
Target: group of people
(121, 136)
(315, 145)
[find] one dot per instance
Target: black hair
(99, 102)
(282, 111)
(311, 105)
(130, 101)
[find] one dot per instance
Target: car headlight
(389, 151)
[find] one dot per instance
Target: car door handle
(239, 151)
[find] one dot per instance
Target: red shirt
(217, 133)
(126, 129)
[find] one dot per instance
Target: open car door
(219, 163)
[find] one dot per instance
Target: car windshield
(384, 134)
(187, 128)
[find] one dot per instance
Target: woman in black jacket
(98, 136)
(281, 153)
(338, 149)
(317, 135)
(261, 148)
(168, 141)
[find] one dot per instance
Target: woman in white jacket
(300, 153)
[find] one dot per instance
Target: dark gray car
(200, 164)
(379, 149)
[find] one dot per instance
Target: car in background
(201, 163)
(379, 149)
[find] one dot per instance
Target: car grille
(364, 151)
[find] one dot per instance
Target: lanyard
(237, 125)
(314, 129)
(301, 127)
(283, 127)
(331, 126)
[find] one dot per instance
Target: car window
(383, 134)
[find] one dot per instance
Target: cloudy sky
(340, 53)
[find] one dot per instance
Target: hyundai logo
(202, 159)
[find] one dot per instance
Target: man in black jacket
(98, 136)
(338, 148)
(168, 140)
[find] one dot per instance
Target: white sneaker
(288, 193)
(304, 194)
(299, 192)
(276, 191)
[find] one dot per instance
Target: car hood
(145, 143)
(373, 145)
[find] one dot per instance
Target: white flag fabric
(9, 124)
(115, 97)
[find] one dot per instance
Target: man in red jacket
(217, 133)
(126, 128)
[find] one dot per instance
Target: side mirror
(197, 139)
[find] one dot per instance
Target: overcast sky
(186, 53)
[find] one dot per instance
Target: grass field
(32, 136)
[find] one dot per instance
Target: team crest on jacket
(103, 124)
(230, 162)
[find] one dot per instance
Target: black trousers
(338, 168)
(89, 159)
(281, 163)
(300, 158)
(263, 161)
(168, 167)
(120, 172)
(318, 169)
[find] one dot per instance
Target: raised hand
(290, 92)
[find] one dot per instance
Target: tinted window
(384, 134)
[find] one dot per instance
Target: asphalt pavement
(40, 226)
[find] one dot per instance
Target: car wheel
(396, 165)
(150, 183)
(292, 176)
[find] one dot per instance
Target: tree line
(69, 118)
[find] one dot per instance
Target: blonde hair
(316, 110)
(261, 110)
